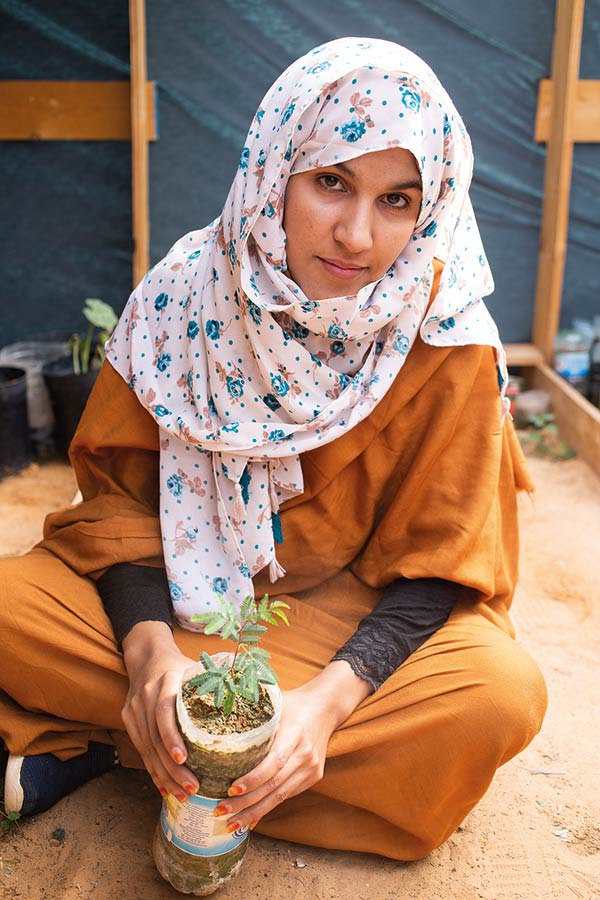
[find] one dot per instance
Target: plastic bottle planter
(192, 849)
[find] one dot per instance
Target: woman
(304, 398)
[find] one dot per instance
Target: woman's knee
(511, 696)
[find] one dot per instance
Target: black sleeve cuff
(408, 613)
(132, 594)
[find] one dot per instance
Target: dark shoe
(33, 784)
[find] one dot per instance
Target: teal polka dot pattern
(241, 370)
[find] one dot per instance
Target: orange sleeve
(115, 457)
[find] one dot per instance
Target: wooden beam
(139, 141)
(578, 421)
(557, 180)
(523, 355)
(585, 127)
(71, 111)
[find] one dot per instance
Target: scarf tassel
(239, 507)
(275, 570)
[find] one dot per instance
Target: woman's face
(347, 223)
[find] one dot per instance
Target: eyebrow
(401, 186)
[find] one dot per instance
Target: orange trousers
(402, 772)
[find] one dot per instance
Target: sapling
(248, 668)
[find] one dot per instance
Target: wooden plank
(139, 141)
(577, 420)
(523, 355)
(70, 111)
(585, 127)
(557, 178)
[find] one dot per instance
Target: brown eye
(396, 200)
(330, 181)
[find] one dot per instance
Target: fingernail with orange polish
(178, 755)
(253, 825)
(190, 787)
(236, 789)
(222, 809)
(181, 796)
(233, 826)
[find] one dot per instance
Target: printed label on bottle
(192, 827)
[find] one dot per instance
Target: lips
(340, 268)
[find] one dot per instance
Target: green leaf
(253, 628)
(215, 625)
(219, 694)
(247, 604)
(282, 616)
(229, 630)
(100, 314)
(229, 703)
(265, 674)
(258, 653)
(208, 662)
(251, 640)
(207, 683)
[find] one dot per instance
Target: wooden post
(557, 179)
(139, 141)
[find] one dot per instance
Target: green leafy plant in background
(543, 439)
(88, 352)
(248, 668)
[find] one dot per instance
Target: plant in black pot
(70, 379)
(228, 707)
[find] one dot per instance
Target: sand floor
(534, 836)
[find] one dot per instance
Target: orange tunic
(425, 487)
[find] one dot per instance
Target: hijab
(240, 369)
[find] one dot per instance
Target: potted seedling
(228, 707)
(70, 379)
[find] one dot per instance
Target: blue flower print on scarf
(500, 378)
(235, 386)
(338, 347)
(411, 100)
(176, 591)
(160, 302)
(344, 381)
(336, 332)
(193, 329)
(447, 125)
(299, 331)
(213, 330)
(255, 312)
(401, 343)
(353, 131)
(244, 158)
(430, 230)
(163, 362)
(378, 347)
(269, 211)
(195, 254)
(244, 570)
(231, 254)
(320, 67)
(219, 585)
(447, 324)
(262, 158)
(161, 410)
(308, 306)
(277, 434)
(233, 426)
(175, 485)
(271, 401)
(288, 113)
(279, 385)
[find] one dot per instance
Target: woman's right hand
(154, 665)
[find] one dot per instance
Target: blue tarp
(66, 206)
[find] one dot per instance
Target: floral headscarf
(240, 369)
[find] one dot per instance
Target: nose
(354, 229)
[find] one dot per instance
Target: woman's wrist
(338, 691)
(145, 639)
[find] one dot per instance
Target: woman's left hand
(296, 759)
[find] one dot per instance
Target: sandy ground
(534, 836)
